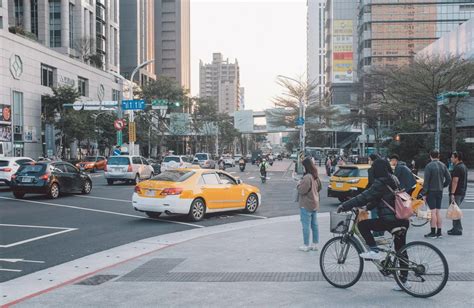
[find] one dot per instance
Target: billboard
(343, 62)
(243, 121)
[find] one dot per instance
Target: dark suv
(49, 178)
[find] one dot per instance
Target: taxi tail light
(6, 169)
(138, 190)
(129, 168)
(44, 177)
(171, 191)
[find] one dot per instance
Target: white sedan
(174, 162)
(10, 165)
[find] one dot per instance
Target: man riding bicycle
(373, 199)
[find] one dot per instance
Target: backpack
(403, 204)
(262, 167)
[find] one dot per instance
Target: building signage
(49, 138)
(16, 66)
(66, 81)
(5, 133)
(343, 62)
(180, 124)
(29, 134)
(5, 113)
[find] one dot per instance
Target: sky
(268, 38)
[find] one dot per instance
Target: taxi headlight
(353, 181)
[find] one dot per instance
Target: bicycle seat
(398, 231)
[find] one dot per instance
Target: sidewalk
(249, 264)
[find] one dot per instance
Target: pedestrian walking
(308, 198)
(437, 178)
(403, 174)
(458, 187)
(328, 166)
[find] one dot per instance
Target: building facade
(137, 30)
(316, 48)
(29, 69)
(220, 81)
(172, 40)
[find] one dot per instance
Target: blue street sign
(299, 121)
(117, 152)
(134, 104)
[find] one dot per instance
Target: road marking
(63, 230)
(101, 198)
(251, 178)
(101, 211)
(253, 216)
(20, 260)
(9, 270)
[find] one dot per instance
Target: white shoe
(371, 255)
(406, 284)
(314, 247)
(305, 248)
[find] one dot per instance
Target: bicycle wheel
(340, 263)
(416, 221)
(428, 271)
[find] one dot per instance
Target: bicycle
(420, 217)
(419, 263)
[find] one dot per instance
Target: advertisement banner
(5, 113)
(343, 51)
(5, 132)
(243, 121)
(180, 124)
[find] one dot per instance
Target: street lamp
(119, 104)
(132, 113)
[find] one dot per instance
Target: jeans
(309, 218)
(365, 226)
(457, 226)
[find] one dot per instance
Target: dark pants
(457, 226)
(368, 225)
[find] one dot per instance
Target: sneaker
(371, 255)
(407, 285)
(305, 248)
(430, 235)
(439, 235)
(314, 247)
(454, 232)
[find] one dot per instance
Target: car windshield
(117, 160)
(90, 158)
(31, 169)
(3, 163)
(347, 172)
(201, 156)
(173, 176)
(171, 158)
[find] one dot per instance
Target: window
(59, 168)
(82, 84)
(47, 73)
(55, 23)
(71, 25)
(136, 160)
(34, 17)
(18, 110)
(174, 176)
(144, 161)
(225, 179)
(210, 179)
(115, 95)
(23, 161)
(71, 169)
(18, 13)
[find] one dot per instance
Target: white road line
(251, 178)
(38, 238)
(9, 270)
(253, 216)
(101, 198)
(33, 226)
(20, 260)
(101, 211)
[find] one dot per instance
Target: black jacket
(372, 198)
(405, 176)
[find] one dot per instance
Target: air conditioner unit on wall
(18, 129)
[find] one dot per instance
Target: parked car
(10, 165)
(204, 160)
(175, 162)
(155, 164)
(129, 168)
(229, 161)
(92, 163)
(194, 192)
(49, 178)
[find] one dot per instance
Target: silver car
(130, 168)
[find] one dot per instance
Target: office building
(391, 33)
(172, 40)
(316, 48)
(242, 98)
(220, 81)
(137, 30)
(40, 56)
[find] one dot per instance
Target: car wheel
(153, 214)
(251, 204)
(152, 175)
(53, 191)
(18, 195)
(110, 182)
(197, 210)
(136, 180)
(87, 187)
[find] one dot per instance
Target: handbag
(454, 212)
(403, 204)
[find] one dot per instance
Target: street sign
(78, 105)
(119, 124)
(299, 121)
(119, 137)
(132, 133)
(134, 104)
(285, 139)
(163, 104)
(117, 152)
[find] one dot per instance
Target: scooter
(242, 167)
(263, 176)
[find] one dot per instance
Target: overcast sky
(268, 37)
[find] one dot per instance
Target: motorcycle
(263, 176)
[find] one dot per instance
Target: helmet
(264, 159)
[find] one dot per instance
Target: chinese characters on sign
(343, 51)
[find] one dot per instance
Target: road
(38, 233)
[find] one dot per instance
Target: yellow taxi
(194, 192)
(351, 180)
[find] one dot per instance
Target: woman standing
(308, 196)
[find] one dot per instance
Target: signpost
(133, 104)
(119, 124)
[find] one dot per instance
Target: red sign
(119, 124)
(342, 55)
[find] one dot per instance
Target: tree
(227, 132)
(204, 113)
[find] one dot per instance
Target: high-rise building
(172, 40)
(137, 30)
(220, 81)
(87, 30)
(392, 32)
(242, 98)
(316, 48)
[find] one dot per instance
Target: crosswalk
(469, 194)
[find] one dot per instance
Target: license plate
(339, 185)
(149, 193)
(26, 179)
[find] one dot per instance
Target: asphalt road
(37, 233)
